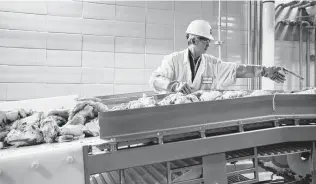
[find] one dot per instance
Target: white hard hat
(200, 28)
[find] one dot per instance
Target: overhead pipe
(311, 3)
(299, 4)
(279, 5)
(284, 5)
(289, 4)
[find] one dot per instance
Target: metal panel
(155, 119)
(199, 147)
(214, 168)
(292, 104)
(46, 163)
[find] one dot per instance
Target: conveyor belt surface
(149, 174)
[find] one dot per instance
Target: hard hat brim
(211, 38)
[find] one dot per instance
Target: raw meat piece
(260, 93)
(310, 90)
(12, 116)
(49, 128)
(81, 117)
(3, 134)
(21, 124)
(211, 95)
(93, 127)
(119, 107)
(142, 103)
(71, 132)
(233, 94)
(59, 112)
(170, 99)
(26, 131)
(30, 135)
(179, 98)
(89, 99)
(75, 130)
(193, 98)
(182, 100)
(86, 110)
(3, 119)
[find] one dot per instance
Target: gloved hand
(274, 73)
(182, 87)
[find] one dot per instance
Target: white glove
(182, 87)
(274, 74)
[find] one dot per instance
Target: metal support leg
(314, 164)
(169, 173)
(214, 169)
(122, 176)
(255, 160)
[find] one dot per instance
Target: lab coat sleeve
(162, 78)
(225, 74)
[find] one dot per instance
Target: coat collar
(200, 71)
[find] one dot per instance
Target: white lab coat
(213, 74)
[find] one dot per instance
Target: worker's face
(202, 44)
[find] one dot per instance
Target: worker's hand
(274, 73)
(182, 87)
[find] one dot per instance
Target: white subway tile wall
(96, 48)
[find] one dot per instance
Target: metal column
(214, 169)
(267, 44)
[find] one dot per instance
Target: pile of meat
(26, 127)
(180, 98)
(200, 96)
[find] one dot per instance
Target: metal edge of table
(198, 147)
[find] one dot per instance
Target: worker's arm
(162, 79)
(250, 71)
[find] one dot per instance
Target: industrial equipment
(222, 141)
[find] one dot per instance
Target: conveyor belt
(237, 178)
(271, 150)
(284, 149)
(149, 174)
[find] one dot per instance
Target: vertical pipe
(314, 163)
(255, 45)
(169, 176)
(121, 176)
(267, 44)
(315, 57)
(308, 44)
(300, 52)
(259, 61)
(219, 22)
(249, 56)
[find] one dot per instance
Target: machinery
(260, 139)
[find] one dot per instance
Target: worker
(191, 69)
